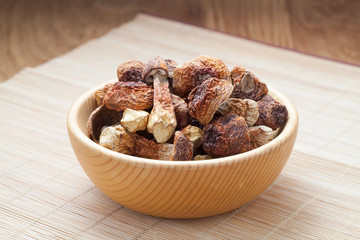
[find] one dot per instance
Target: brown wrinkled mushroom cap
(134, 95)
(219, 67)
(271, 113)
(247, 85)
(195, 72)
(130, 71)
(205, 99)
(183, 148)
(100, 117)
(225, 136)
(157, 65)
(171, 65)
(181, 111)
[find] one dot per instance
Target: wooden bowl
(188, 189)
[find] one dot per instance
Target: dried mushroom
(100, 93)
(183, 148)
(271, 113)
(181, 111)
(130, 71)
(194, 134)
(205, 99)
(196, 109)
(134, 120)
(171, 65)
(149, 149)
(117, 139)
(162, 119)
(155, 67)
(225, 136)
(195, 72)
(247, 85)
(260, 135)
(215, 64)
(245, 108)
(100, 117)
(134, 95)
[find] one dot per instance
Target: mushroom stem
(148, 149)
(162, 119)
(118, 139)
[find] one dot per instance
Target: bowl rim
(74, 129)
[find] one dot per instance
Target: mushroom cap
(196, 71)
(247, 85)
(271, 113)
(157, 65)
(205, 99)
(134, 95)
(171, 65)
(225, 136)
(100, 117)
(130, 71)
(183, 148)
(214, 63)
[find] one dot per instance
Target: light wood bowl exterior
(189, 189)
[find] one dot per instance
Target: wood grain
(330, 29)
(33, 32)
(45, 194)
(190, 189)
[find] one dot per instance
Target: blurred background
(32, 32)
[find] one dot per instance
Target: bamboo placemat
(46, 195)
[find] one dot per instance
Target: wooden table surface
(32, 32)
(45, 194)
